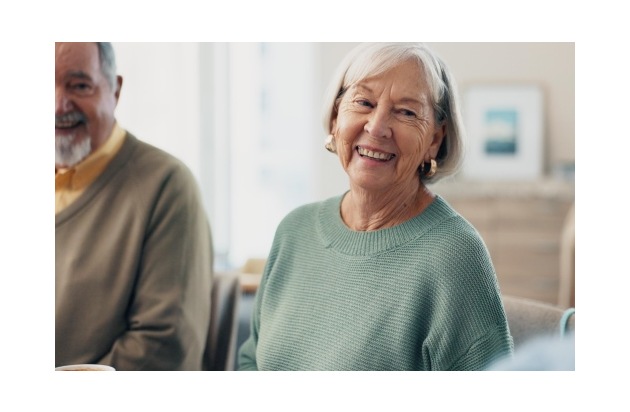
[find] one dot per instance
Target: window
(265, 124)
(245, 118)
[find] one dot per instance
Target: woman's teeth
(374, 155)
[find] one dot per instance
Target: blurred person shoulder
(544, 353)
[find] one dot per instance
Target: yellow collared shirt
(70, 183)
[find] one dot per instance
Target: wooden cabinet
(522, 225)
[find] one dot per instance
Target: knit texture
(422, 295)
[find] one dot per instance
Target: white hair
(107, 59)
(69, 153)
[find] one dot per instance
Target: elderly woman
(386, 276)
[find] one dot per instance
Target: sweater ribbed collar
(338, 236)
(114, 166)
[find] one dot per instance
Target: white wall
(159, 102)
(549, 65)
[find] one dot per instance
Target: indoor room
(315, 206)
(246, 119)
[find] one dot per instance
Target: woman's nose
(378, 124)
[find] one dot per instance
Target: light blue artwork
(501, 132)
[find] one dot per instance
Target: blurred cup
(85, 367)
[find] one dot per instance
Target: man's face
(84, 102)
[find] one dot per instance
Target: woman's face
(385, 128)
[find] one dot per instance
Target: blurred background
(246, 119)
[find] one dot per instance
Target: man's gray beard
(68, 154)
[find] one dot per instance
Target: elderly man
(133, 248)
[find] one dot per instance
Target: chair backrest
(566, 289)
(220, 352)
(529, 319)
(254, 265)
(251, 274)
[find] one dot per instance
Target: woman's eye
(408, 113)
(365, 103)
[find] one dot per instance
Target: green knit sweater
(422, 295)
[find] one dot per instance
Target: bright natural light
(243, 116)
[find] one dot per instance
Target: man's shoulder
(147, 168)
(147, 153)
(144, 159)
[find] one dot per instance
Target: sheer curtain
(271, 112)
(243, 116)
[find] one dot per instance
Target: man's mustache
(70, 119)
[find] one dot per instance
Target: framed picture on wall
(504, 129)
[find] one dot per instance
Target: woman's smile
(374, 154)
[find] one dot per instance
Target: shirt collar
(81, 175)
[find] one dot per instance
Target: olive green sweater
(133, 267)
(422, 295)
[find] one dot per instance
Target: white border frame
(527, 162)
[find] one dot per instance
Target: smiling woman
(386, 276)
(385, 130)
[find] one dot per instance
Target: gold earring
(330, 144)
(433, 169)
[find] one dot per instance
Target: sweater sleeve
(247, 352)
(168, 314)
(471, 329)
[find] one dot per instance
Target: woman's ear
(436, 143)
